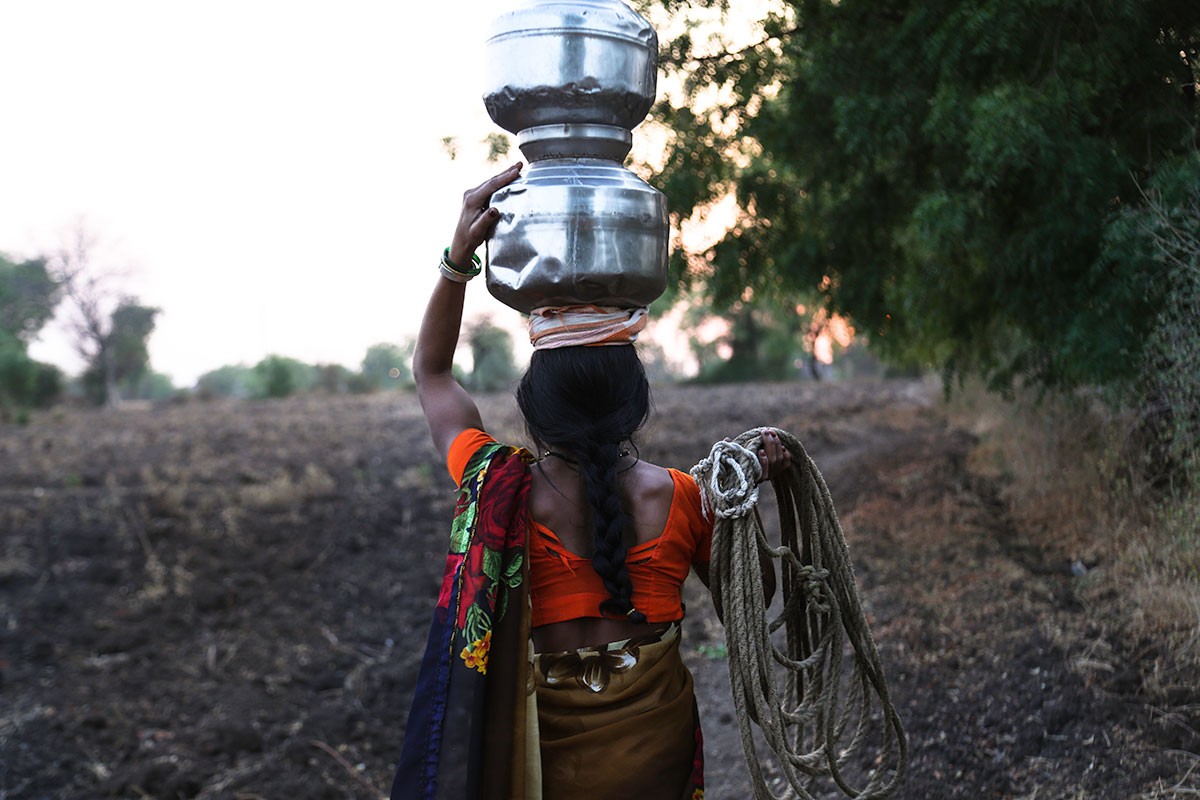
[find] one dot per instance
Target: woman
(607, 540)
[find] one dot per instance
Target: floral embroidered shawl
(465, 732)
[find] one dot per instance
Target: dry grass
(1078, 491)
(1187, 786)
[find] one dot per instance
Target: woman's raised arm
(448, 408)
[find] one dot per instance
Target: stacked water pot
(572, 80)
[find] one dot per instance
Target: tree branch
(735, 54)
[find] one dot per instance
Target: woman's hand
(478, 219)
(773, 456)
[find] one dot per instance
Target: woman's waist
(597, 634)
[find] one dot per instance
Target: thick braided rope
(821, 717)
(732, 474)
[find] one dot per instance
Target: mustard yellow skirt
(618, 721)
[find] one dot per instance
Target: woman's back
(558, 502)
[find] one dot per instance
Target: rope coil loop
(729, 479)
(823, 715)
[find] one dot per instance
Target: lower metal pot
(575, 231)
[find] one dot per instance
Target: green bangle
(450, 265)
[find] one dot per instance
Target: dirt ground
(224, 600)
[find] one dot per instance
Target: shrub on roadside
(1171, 383)
(1073, 476)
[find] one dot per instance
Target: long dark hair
(587, 401)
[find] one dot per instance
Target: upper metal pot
(581, 62)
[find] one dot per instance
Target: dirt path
(986, 646)
(230, 601)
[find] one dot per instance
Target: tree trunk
(112, 395)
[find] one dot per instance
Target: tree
(281, 376)
(110, 330)
(765, 340)
(492, 355)
(120, 358)
(387, 366)
(28, 295)
(232, 380)
(155, 386)
(951, 172)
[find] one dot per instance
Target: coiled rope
(813, 728)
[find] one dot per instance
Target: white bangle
(453, 275)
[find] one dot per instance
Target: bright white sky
(271, 171)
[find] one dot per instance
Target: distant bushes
(24, 382)
(384, 367)
(280, 376)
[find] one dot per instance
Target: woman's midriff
(589, 632)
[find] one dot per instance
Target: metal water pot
(572, 79)
(582, 230)
(553, 62)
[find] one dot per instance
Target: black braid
(610, 523)
(589, 400)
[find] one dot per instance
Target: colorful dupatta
(466, 732)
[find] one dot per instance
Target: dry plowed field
(229, 600)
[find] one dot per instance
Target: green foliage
(959, 171)
(387, 366)
(28, 295)
(281, 376)
(492, 354)
(1169, 391)
(498, 146)
(123, 359)
(25, 383)
(155, 386)
(128, 339)
(234, 380)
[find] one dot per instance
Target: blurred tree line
(1004, 188)
(111, 332)
(384, 367)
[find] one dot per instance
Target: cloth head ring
(584, 325)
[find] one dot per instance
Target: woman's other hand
(478, 218)
(774, 458)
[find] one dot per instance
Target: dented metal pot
(572, 79)
(553, 62)
(578, 231)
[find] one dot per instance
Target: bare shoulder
(649, 483)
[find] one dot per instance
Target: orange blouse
(564, 586)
